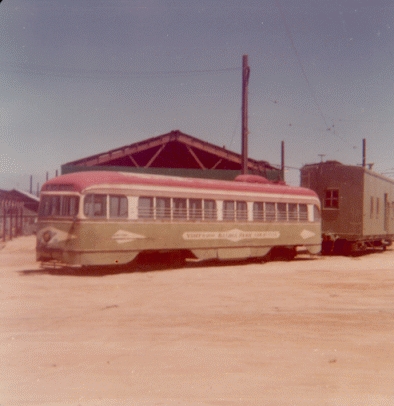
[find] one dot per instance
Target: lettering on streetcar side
(231, 235)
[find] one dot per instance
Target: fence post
(10, 210)
(4, 218)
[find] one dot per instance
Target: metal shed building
(174, 153)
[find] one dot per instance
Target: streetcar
(98, 218)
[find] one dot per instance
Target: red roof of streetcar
(79, 181)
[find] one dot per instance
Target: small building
(174, 153)
(18, 213)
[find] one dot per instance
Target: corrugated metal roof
(172, 150)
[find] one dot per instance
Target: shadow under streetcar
(156, 261)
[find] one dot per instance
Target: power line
(65, 72)
(289, 34)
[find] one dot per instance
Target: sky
(80, 77)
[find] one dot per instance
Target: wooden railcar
(108, 218)
(357, 206)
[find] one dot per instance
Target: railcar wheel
(327, 247)
(341, 247)
(282, 254)
(348, 248)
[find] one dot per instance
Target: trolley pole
(245, 82)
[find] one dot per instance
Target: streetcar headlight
(47, 236)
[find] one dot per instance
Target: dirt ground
(314, 331)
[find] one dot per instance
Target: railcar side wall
(357, 204)
(340, 191)
(378, 205)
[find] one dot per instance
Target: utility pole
(282, 155)
(245, 82)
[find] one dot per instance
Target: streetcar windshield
(58, 206)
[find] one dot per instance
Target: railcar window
(49, 206)
(270, 211)
(210, 210)
(282, 213)
(241, 211)
(292, 212)
(228, 210)
(316, 213)
(43, 209)
(118, 206)
(205, 209)
(377, 207)
(195, 209)
(59, 187)
(163, 207)
(258, 211)
(331, 200)
(303, 212)
(55, 209)
(179, 208)
(61, 205)
(95, 205)
(145, 207)
(69, 206)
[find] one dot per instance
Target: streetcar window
(195, 209)
(64, 206)
(43, 209)
(270, 211)
(118, 206)
(331, 200)
(209, 209)
(145, 207)
(69, 206)
(316, 213)
(163, 207)
(258, 211)
(282, 214)
(95, 205)
(49, 206)
(55, 206)
(179, 209)
(228, 210)
(242, 211)
(292, 212)
(303, 210)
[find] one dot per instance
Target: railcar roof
(329, 165)
(79, 181)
